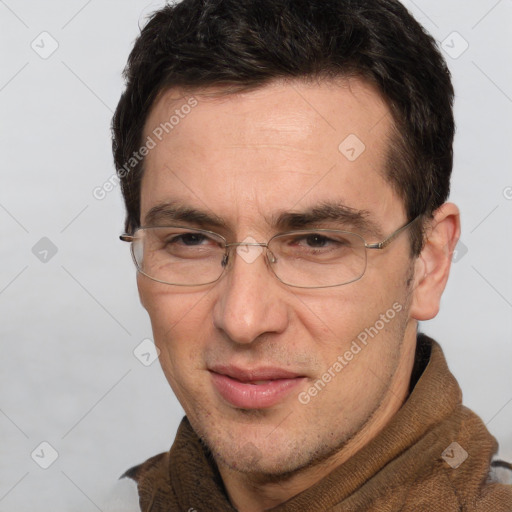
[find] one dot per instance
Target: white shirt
(123, 497)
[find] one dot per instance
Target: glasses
(317, 258)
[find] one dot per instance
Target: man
(285, 166)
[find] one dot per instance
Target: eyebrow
(343, 216)
(174, 212)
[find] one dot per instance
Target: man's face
(247, 159)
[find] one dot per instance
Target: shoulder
(154, 467)
(151, 482)
(501, 471)
(123, 497)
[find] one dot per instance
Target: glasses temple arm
(390, 238)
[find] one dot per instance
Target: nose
(251, 301)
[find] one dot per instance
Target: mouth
(258, 388)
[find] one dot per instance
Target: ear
(432, 266)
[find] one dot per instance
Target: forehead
(273, 147)
(301, 109)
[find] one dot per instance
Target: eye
(321, 246)
(181, 241)
(320, 241)
(182, 244)
(317, 241)
(189, 239)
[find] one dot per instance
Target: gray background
(70, 321)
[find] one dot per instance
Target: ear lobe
(433, 264)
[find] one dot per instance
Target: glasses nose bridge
(238, 244)
(268, 253)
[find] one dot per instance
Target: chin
(259, 458)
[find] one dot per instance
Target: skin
(245, 157)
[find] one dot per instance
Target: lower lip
(253, 396)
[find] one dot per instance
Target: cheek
(180, 329)
(332, 319)
(350, 313)
(169, 306)
(179, 321)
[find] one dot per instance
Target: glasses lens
(318, 259)
(179, 256)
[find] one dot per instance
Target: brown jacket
(434, 455)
